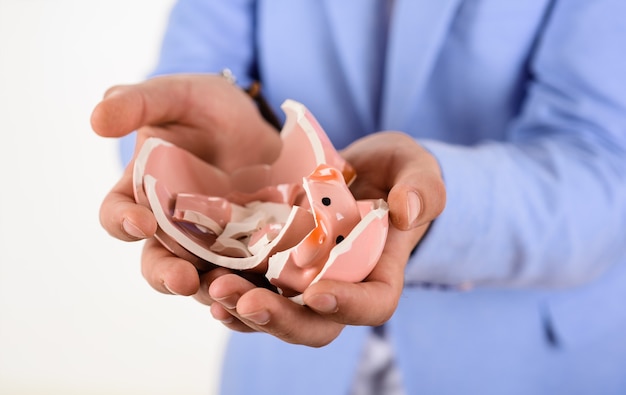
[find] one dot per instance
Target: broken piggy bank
(295, 221)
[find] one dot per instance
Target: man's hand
(204, 114)
(389, 165)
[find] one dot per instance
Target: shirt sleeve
(209, 36)
(546, 207)
(205, 37)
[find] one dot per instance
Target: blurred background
(76, 317)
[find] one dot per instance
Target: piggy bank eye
(339, 239)
(326, 201)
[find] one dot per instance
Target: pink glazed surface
(296, 220)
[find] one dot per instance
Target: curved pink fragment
(356, 256)
(336, 213)
(210, 212)
(177, 168)
(291, 194)
(305, 146)
(264, 235)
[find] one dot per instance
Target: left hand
(201, 113)
(389, 165)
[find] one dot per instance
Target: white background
(76, 317)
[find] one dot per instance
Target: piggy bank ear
(305, 146)
(325, 173)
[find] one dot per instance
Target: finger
(223, 315)
(227, 289)
(206, 279)
(373, 301)
(269, 312)
(263, 310)
(167, 273)
(346, 303)
(200, 113)
(126, 108)
(417, 192)
(121, 217)
(394, 166)
(417, 197)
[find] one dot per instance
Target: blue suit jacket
(524, 105)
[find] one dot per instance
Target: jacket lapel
(418, 29)
(359, 51)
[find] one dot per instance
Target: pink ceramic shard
(243, 230)
(355, 257)
(180, 172)
(305, 146)
(198, 243)
(336, 213)
(208, 212)
(264, 236)
(291, 194)
(294, 220)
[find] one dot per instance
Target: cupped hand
(389, 165)
(204, 114)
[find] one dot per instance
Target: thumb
(417, 197)
(125, 108)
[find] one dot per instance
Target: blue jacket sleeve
(546, 207)
(205, 37)
(209, 36)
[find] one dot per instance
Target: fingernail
(260, 317)
(112, 93)
(169, 289)
(230, 301)
(325, 303)
(132, 229)
(413, 208)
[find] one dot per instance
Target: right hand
(203, 114)
(391, 166)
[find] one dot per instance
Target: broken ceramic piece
(295, 220)
(335, 212)
(208, 213)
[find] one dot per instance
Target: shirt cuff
(440, 257)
